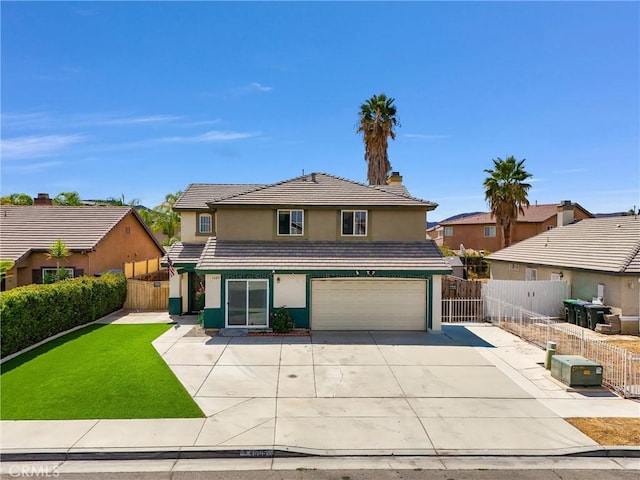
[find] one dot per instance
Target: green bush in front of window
(33, 313)
(281, 321)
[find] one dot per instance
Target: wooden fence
(143, 295)
(454, 287)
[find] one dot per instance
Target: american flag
(172, 270)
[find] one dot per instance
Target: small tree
(16, 199)
(68, 199)
(59, 251)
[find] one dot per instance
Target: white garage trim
(369, 304)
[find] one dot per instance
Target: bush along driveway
(98, 372)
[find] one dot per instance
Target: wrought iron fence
(621, 368)
(460, 310)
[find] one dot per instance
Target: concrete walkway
(472, 390)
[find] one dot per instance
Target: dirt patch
(629, 345)
(609, 431)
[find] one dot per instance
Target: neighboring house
(481, 233)
(98, 238)
(597, 257)
(335, 253)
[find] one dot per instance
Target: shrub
(281, 321)
(33, 313)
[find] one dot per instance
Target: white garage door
(368, 304)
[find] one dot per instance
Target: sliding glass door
(247, 303)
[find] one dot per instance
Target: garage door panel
(368, 304)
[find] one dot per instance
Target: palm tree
(59, 251)
(166, 220)
(68, 199)
(377, 123)
(506, 193)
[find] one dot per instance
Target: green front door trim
(215, 317)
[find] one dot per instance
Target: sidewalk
(375, 393)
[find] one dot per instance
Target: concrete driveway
(374, 393)
(474, 389)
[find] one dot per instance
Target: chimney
(395, 179)
(42, 199)
(565, 213)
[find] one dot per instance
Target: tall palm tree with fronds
(505, 191)
(377, 123)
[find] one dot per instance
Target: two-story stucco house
(337, 254)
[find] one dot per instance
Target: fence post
(450, 306)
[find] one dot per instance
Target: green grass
(101, 371)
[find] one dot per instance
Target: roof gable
(196, 195)
(603, 244)
(321, 189)
(35, 228)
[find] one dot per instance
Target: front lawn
(101, 371)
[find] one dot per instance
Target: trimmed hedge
(33, 313)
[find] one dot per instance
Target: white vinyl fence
(543, 297)
(621, 368)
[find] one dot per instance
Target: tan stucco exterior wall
(115, 249)
(622, 292)
(319, 224)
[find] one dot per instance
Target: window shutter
(36, 275)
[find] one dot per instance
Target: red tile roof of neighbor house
(532, 214)
(24, 229)
(314, 189)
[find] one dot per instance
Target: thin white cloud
(422, 136)
(30, 119)
(37, 145)
(140, 120)
(259, 87)
(33, 167)
(535, 180)
(212, 136)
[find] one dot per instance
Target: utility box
(574, 371)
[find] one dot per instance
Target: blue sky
(141, 99)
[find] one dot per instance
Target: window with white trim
(514, 266)
(52, 272)
(448, 231)
(555, 277)
(531, 274)
(490, 231)
(290, 222)
(354, 223)
(205, 223)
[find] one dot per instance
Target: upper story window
(354, 222)
(489, 231)
(205, 223)
(290, 222)
(448, 231)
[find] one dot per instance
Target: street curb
(604, 452)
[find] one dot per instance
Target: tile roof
(315, 189)
(532, 214)
(181, 253)
(609, 244)
(321, 189)
(315, 255)
(197, 195)
(34, 228)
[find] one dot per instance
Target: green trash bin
(581, 313)
(595, 314)
(569, 310)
